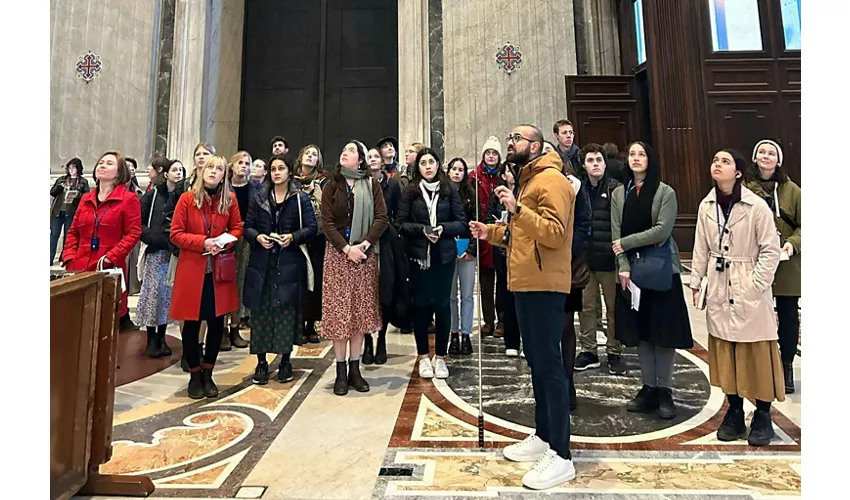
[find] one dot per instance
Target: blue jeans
(465, 271)
(57, 224)
(541, 321)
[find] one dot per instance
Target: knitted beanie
(772, 143)
(494, 144)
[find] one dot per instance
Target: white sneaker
(522, 354)
(440, 368)
(425, 368)
(511, 353)
(549, 471)
(529, 449)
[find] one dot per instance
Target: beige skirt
(752, 370)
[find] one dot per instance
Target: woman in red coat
(205, 278)
(107, 224)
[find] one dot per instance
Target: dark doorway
(319, 72)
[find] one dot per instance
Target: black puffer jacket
(290, 262)
(156, 235)
(600, 256)
(394, 280)
(412, 218)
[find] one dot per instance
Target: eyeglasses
(515, 138)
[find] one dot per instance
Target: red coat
(117, 222)
(486, 186)
(189, 232)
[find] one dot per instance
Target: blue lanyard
(722, 229)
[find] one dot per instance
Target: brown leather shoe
(487, 330)
(500, 330)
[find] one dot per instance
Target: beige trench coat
(739, 301)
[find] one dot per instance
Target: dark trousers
(190, 334)
(507, 308)
(59, 225)
(541, 323)
(432, 289)
(488, 295)
(789, 327)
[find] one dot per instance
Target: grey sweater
(665, 207)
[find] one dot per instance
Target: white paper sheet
(635, 292)
(224, 239)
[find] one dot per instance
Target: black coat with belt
(412, 219)
(394, 280)
(290, 264)
(156, 235)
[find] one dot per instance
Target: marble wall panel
(187, 81)
(114, 111)
(414, 109)
(480, 98)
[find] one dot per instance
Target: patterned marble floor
(414, 439)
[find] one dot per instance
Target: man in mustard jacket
(538, 237)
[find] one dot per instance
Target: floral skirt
(350, 300)
(155, 298)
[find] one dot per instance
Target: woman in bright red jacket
(205, 278)
(107, 224)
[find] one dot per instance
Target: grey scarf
(364, 206)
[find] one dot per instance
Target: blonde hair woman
(240, 171)
(205, 226)
(309, 172)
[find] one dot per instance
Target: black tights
(190, 334)
(737, 403)
(787, 309)
(568, 344)
(284, 358)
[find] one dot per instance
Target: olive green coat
(787, 280)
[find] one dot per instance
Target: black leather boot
(381, 350)
(355, 379)
(666, 407)
(788, 371)
(152, 350)
(210, 389)
(341, 383)
(454, 344)
(465, 345)
(164, 350)
(368, 351)
(645, 401)
(196, 385)
(284, 372)
(236, 340)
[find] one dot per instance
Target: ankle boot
(210, 389)
(225, 342)
(465, 345)
(788, 371)
(761, 429)
(733, 426)
(236, 339)
(381, 351)
(355, 379)
(196, 384)
(645, 401)
(152, 350)
(368, 352)
(164, 350)
(341, 383)
(666, 407)
(454, 345)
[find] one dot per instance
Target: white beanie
(494, 144)
(768, 141)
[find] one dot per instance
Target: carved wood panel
(603, 109)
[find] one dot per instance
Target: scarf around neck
(363, 214)
(431, 195)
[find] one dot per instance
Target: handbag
(311, 278)
(143, 247)
(224, 267)
(652, 267)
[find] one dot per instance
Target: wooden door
(361, 86)
(603, 109)
(319, 72)
(280, 74)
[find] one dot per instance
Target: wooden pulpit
(83, 352)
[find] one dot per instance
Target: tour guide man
(538, 236)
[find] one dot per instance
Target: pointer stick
(478, 309)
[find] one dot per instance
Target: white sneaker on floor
(548, 472)
(425, 368)
(440, 368)
(529, 449)
(511, 353)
